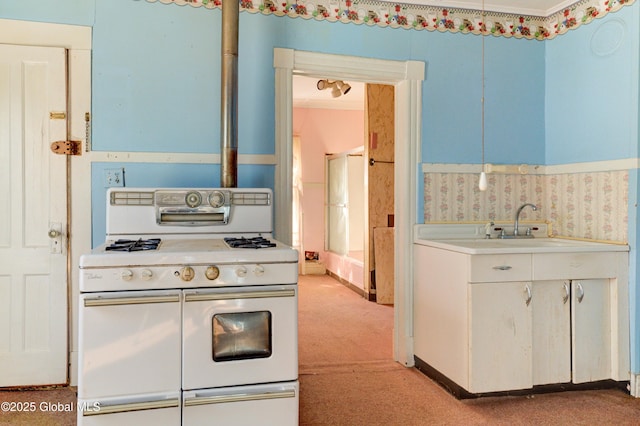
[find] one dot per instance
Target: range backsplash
(591, 205)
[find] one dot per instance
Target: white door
(33, 280)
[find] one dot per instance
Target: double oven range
(188, 312)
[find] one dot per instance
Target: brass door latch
(57, 115)
(67, 147)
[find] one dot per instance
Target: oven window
(242, 335)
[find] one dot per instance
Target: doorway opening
(329, 187)
(406, 78)
(343, 174)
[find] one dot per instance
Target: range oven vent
(251, 199)
(122, 198)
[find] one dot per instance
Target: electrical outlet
(113, 177)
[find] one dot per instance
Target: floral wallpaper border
(430, 18)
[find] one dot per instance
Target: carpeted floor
(45, 407)
(347, 377)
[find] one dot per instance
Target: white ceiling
(307, 95)
(523, 7)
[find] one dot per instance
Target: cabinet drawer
(554, 266)
(498, 268)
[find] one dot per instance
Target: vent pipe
(229, 95)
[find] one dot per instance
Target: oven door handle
(198, 297)
(240, 397)
(131, 300)
(132, 406)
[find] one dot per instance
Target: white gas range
(177, 325)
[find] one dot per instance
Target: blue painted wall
(73, 12)
(591, 95)
(514, 93)
(156, 80)
(152, 87)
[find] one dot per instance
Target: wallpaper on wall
(581, 205)
(431, 18)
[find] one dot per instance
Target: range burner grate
(134, 245)
(254, 243)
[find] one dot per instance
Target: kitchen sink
(470, 239)
(523, 245)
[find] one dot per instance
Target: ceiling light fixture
(338, 87)
(482, 184)
(344, 87)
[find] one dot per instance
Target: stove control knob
(212, 273)
(259, 270)
(126, 275)
(241, 271)
(146, 274)
(193, 199)
(187, 273)
(216, 199)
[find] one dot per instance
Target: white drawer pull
(502, 268)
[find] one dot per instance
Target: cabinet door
(500, 337)
(591, 326)
(551, 331)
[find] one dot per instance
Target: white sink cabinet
(501, 322)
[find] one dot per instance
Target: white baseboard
(73, 368)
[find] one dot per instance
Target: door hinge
(67, 147)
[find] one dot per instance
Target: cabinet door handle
(502, 268)
(580, 294)
(565, 298)
(527, 291)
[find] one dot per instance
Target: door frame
(406, 77)
(77, 40)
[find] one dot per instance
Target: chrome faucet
(515, 225)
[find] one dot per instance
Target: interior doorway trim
(406, 77)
